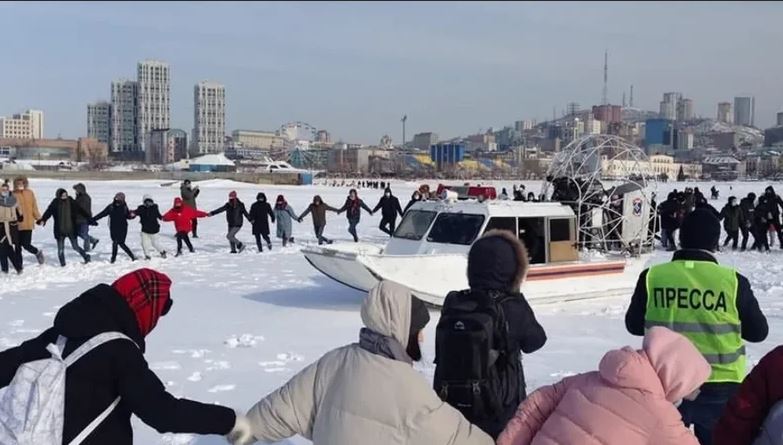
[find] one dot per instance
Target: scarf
(382, 345)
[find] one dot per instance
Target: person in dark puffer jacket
(83, 222)
(732, 217)
(260, 213)
(119, 214)
(497, 265)
(132, 305)
(235, 212)
(149, 217)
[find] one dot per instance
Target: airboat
(589, 240)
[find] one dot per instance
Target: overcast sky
(356, 68)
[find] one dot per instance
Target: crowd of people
(752, 216)
(687, 383)
(73, 217)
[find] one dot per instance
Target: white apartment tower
(28, 125)
(209, 118)
(123, 116)
(99, 121)
(153, 103)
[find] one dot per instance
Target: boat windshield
(415, 224)
(456, 228)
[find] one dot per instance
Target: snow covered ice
(242, 325)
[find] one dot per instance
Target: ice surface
(244, 324)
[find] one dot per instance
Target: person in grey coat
(189, 195)
(284, 214)
(367, 392)
(83, 223)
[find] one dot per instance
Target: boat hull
(431, 277)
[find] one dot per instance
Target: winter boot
(87, 259)
(179, 252)
(163, 254)
(40, 257)
(147, 257)
(233, 247)
(240, 247)
(269, 246)
(94, 242)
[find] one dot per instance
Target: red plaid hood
(147, 293)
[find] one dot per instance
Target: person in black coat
(774, 204)
(761, 222)
(497, 265)
(748, 206)
(235, 214)
(260, 213)
(149, 217)
(669, 211)
(132, 306)
(63, 209)
(353, 207)
(119, 214)
(415, 197)
(83, 222)
(390, 207)
(733, 219)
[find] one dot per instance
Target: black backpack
(471, 349)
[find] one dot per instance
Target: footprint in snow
(222, 388)
(290, 357)
(165, 366)
(195, 377)
(243, 341)
(16, 323)
(217, 365)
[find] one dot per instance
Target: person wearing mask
(235, 214)
(712, 305)
(366, 392)
(182, 216)
(188, 193)
(260, 213)
(754, 416)
(669, 212)
(629, 400)
(28, 205)
(63, 210)
(318, 208)
(480, 372)
(732, 217)
(748, 206)
(10, 217)
(353, 209)
(119, 214)
(149, 217)
(389, 206)
(415, 197)
(83, 222)
(284, 215)
(774, 204)
(130, 308)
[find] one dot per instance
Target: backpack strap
(93, 343)
(94, 424)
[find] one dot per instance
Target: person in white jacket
(366, 392)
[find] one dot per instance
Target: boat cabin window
(456, 228)
(532, 234)
(502, 223)
(414, 224)
(559, 230)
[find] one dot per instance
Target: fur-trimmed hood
(497, 261)
(23, 180)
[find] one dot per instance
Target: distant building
(166, 146)
(153, 99)
(209, 118)
(27, 125)
(725, 141)
(668, 106)
(124, 135)
(82, 149)
(773, 136)
(657, 132)
(743, 111)
(724, 112)
(323, 136)
(685, 109)
(99, 121)
(211, 163)
(257, 139)
(723, 167)
(524, 125)
(684, 140)
(608, 113)
(445, 155)
(780, 119)
(423, 141)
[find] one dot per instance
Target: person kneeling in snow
(131, 306)
(183, 217)
(629, 400)
(366, 392)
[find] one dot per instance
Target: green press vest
(698, 299)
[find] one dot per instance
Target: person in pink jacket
(629, 400)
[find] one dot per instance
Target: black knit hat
(420, 316)
(700, 230)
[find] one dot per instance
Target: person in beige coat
(28, 205)
(366, 392)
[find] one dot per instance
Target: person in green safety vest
(712, 305)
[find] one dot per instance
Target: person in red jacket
(183, 217)
(743, 420)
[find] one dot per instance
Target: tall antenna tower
(630, 103)
(605, 99)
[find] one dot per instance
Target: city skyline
(356, 68)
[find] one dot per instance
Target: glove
(300, 220)
(93, 222)
(242, 433)
(41, 222)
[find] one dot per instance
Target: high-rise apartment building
(668, 108)
(209, 118)
(153, 102)
(744, 110)
(724, 112)
(99, 121)
(684, 109)
(166, 146)
(124, 136)
(27, 125)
